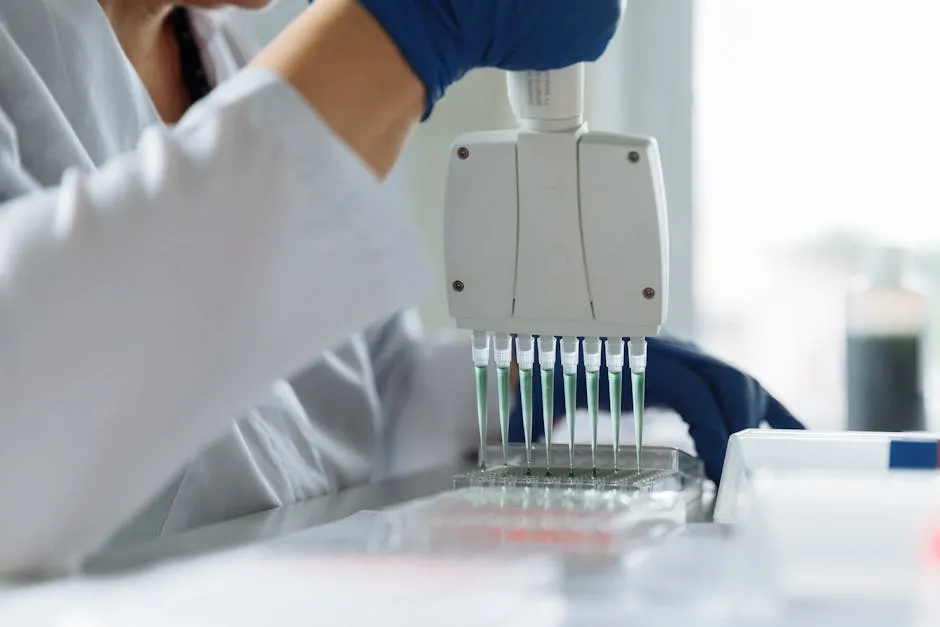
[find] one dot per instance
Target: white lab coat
(153, 282)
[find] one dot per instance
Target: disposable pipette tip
(639, 384)
(614, 384)
(571, 388)
(481, 384)
(636, 348)
(592, 401)
(615, 361)
(546, 347)
(525, 357)
(548, 413)
(592, 366)
(569, 363)
(525, 382)
(480, 347)
(502, 388)
(502, 355)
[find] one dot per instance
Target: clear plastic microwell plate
(661, 469)
(530, 519)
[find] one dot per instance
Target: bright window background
(818, 131)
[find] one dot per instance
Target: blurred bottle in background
(886, 327)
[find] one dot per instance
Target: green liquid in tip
(593, 385)
(502, 389)
(571, 399)
(615, 384)
(548, 414)
(525, 383)
(481, 373)
(639, 393)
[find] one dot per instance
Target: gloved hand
(714, 398)
(444, 39)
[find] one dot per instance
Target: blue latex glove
(444, 39)
(714, 398)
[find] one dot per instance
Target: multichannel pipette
(551, 230)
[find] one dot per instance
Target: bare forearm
(343, 63)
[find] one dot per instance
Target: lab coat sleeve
(426, 387)
(144, 305)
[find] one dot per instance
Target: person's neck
(144, 32)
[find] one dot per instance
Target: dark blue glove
(444, 39)
(714, 398)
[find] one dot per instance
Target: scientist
(183, 221)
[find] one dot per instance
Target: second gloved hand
(444, 39)
(714, 398)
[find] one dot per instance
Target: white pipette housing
(550, 229)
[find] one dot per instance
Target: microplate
(661, 469)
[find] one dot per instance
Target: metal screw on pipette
(458, 286)
(633, 157)
(463, 153)
(649, 293)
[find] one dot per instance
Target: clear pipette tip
(592, 369)
(502, 355)
(636, 348)
(525, 357)
(615, 360)
(546, 348)
(569, 363)
(480, 348)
